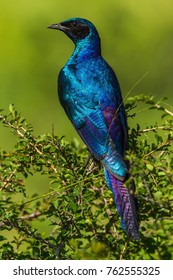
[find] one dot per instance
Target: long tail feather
(126, 204)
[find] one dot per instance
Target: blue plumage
(90, 95)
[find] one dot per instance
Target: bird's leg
(90, 165)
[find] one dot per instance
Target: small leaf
(149, 166)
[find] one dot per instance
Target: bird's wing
(94, 133)
(104, 141)
(114, 115)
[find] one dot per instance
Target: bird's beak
(56, 26)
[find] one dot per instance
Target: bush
(78, 209)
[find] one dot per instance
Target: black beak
(57, 26)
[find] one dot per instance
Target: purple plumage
(126, 204)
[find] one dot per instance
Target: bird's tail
(126, 204)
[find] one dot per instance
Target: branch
(32, 144)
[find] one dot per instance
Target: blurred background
(137, 38)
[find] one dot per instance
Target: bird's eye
(75, 24)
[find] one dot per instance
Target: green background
(136, 39)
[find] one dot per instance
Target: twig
(152, 129)
(166, 110)
(29, 233)
(124, 249)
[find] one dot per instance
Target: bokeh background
(137, 38)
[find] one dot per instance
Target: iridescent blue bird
(91, 97)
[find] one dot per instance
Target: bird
(90, 94)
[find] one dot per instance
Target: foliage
(136, 38)
(78, 209)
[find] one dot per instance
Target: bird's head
(77, 29)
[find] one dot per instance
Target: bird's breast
(78, 97)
